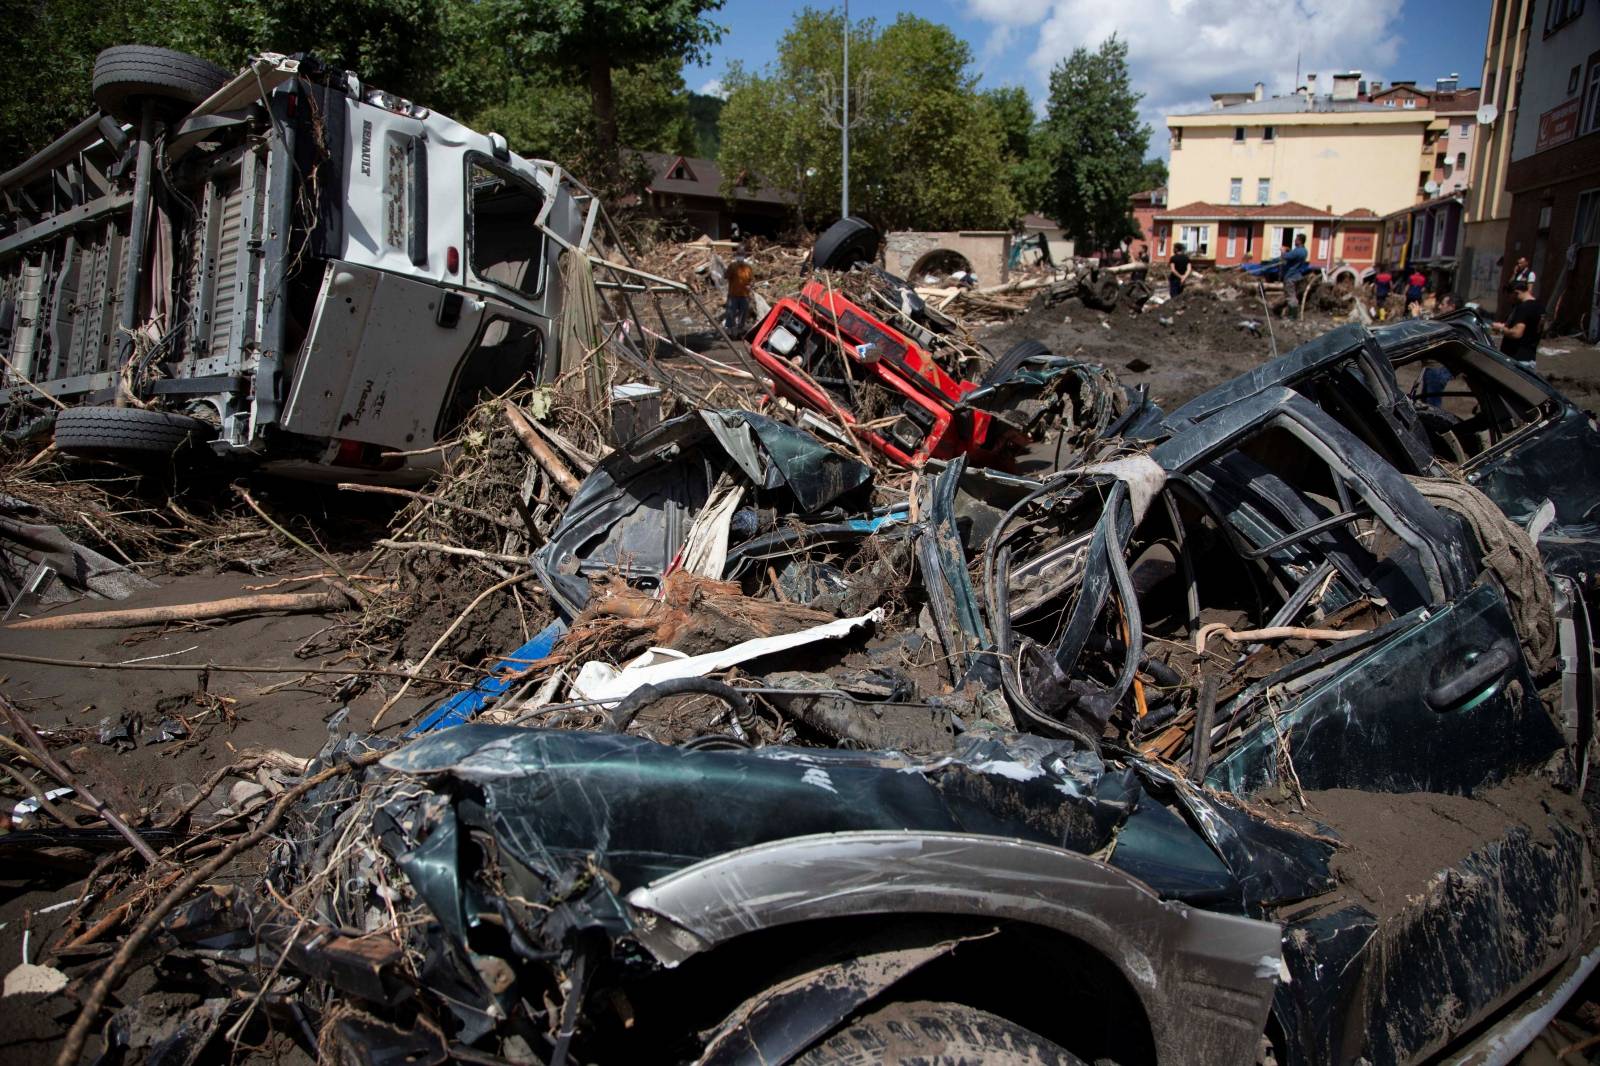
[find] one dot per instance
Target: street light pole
(844, 127)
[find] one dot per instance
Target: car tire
(934, 1033)
(127, 75)
(1101, 294)
(1014, 357)
(844, 244)
(125, 430)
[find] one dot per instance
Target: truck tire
(1014, 357)
(844, 244)
(128, 74)
(946, 1034)
(124, 430)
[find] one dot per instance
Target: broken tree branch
(426, 497)
(60, 773)
(542, 452)
(231, 607)
(347, 587)
(72, 1047)
(449, 630)
(219, 668)
(451, 549)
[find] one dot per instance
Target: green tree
(1093, 145)
(923, 145)
(547, 115)
(595, 38)
(1024, 163)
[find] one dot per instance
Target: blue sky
(1179, 50)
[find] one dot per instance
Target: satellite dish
(1487, 114)
(1431, 187)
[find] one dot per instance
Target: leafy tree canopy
(924, 143)
(1092, 145)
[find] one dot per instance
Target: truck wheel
(128, 74)
(844, 244)
(946, 1033)
(1015, 356)
(101, 430)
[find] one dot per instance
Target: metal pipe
(59, 151)
(138, 225)
(844, 126)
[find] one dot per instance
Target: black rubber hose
(623, 714)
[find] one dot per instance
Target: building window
(1161, 240)
(1388, 103)
(1464, 130)
(1235, 190)
(1238, 135)
(1177, 139)
(1461, 160)
(1560, 13)
(1586, 227)
(1197, 239)
(1591, 100)
(1269, 133)
(1322, 242)
(1263, 190)
(1233, 238)
(1410, 102)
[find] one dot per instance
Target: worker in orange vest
(740, 277)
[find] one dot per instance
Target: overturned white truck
(286, 265)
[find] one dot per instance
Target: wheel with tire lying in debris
(844, 244)
(1101, 293)
(127, 75)
(906, 1033)
(125, 431)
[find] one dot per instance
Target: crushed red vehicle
(893, 386)
(822, 350)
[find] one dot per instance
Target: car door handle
(1489, 666)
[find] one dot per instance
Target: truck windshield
(505, 247)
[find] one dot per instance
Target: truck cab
(289, 267)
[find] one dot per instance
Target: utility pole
(844, 126)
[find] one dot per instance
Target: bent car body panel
(1205, 979)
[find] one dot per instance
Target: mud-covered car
(1237, 746)
(285, 265)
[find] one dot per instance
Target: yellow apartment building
(1335, 157)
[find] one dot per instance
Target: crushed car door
(391, 360)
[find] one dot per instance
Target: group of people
(1294, 264)
(1520, 331)
(1416, 289)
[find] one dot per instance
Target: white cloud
(713, 87)
(1180, 51)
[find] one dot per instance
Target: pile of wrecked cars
(1254, 731)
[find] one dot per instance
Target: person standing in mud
(1382, 283)
(741, 275)
(1178, 270)
(1296, 265)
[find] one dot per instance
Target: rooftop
(684, 175)
(1299, 103)
(1290, 210)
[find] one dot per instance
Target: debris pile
(775, 681)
